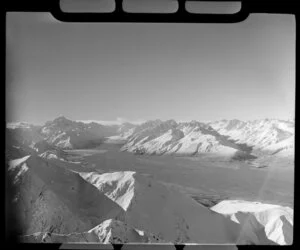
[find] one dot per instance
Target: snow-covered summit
(257, 133)
(260, 220)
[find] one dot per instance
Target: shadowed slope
(109, 231)
(52, 198)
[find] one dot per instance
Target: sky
(138, 71)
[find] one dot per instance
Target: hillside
(262, 220)
(109, 231)
(51, 198)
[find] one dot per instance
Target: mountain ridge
(225, 137)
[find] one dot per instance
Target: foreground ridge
(68, 206)
(262, 220)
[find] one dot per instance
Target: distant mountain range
(227, 138)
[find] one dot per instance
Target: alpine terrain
(154, 182)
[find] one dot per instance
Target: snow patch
(14, 163)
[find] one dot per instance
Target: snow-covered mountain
(262, 135)
(170, 137)
(284, 148)
(260, 220)
(65, 133)
(20, 141)
(27, 140)
(22, 135)
(226, 138)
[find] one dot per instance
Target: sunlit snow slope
(260, 220)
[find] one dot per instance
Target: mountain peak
(61, 118)
(153, 122)
(61, 121)
(171, 122)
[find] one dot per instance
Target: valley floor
(207, 180)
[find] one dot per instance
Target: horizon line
(120, 121)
